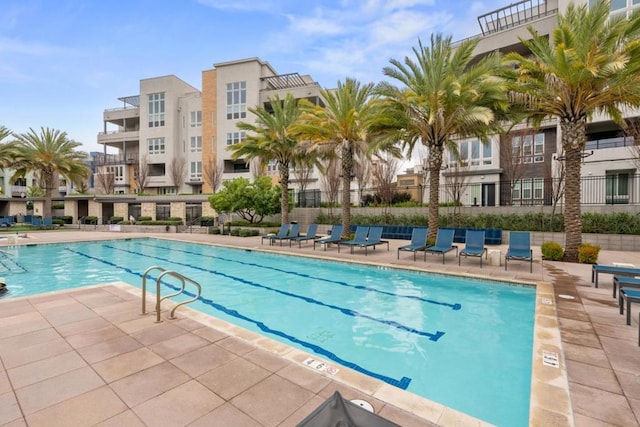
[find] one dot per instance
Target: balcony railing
(514, 15)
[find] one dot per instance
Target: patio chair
(359, 238)
(335, 237)
(444, 243)
(519, 248)
(418, 242)
(293, 232)
(625, 282)
(474, 245)
(311, 235)
(283, 232)
(626, 297)
(374, 238)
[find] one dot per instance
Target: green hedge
(608, 223)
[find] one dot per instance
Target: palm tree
(445, 97)
(343, 127)
(49, 154)
(272, 140)
(590, 64)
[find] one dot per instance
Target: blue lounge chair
(474, 245)
(418, 242)
(612, 269)
(47, 222)
(335, 237)
(628, 296)
(444, 243)
(519, 248)
(311, 235)
(36, 221)
(359, 238)
(625, 282)
(374, 238)
(293, 232)
(283, 232)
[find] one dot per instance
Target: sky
(63, 62)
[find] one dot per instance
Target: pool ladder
(165, 272)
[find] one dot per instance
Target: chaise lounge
(597, 269)
(444, 243)
(418, 242)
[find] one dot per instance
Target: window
(196, 171)
(166, 190)
(117, 171)
(156, 109)
(196, 119)
(617, 188)
(196, 144)
(528, 148)
(156, 145)
(272, 166)
(236, 100)
(538, 148)
(528, 192)
(235, 137)
(473, 152)
(487, 154)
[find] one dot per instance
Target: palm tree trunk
(435, 163)
(347, 166)
(284, 192)
(573, 142)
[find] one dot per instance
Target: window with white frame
(235, 137)
(528, 148)
(472, 152)
(196, 171)
(528, 191)
(196, 119)
(156, 109)
(236, 100)
(196, 144)
(117, 171)
(538, 148)
(156, 145)
(272, 166)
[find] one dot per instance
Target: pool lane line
(455, 306)
(402, 383)
(6, 256)
(431, 336)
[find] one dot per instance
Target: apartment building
(173, 138)
(525, 166)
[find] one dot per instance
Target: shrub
(247, 232)
(116, 219)
(552, 251)
(68, 219)
(214, 230)
(143, 218)
(588, 253)
(90, 219)
(59, 222)
(235, 231)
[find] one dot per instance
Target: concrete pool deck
(87, 357)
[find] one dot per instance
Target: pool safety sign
(320, 366)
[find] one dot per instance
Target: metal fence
(614, 189)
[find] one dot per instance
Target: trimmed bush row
(609, 223)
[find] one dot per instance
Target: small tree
(456, 182)
(141, 174)
(252, 201)
(177, 171)
(362, 172)
(106, 180)
(633, 131)
(331, 183)
(384, 171)
(212, 173)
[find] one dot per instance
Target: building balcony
(117, 138)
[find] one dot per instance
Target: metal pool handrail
(165, 272)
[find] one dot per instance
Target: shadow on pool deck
(87, 357)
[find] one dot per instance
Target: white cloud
(9, 45)
(404, 26)
(315, 25)
(242, 5)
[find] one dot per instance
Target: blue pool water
(464, 343)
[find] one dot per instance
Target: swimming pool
(464, 343)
